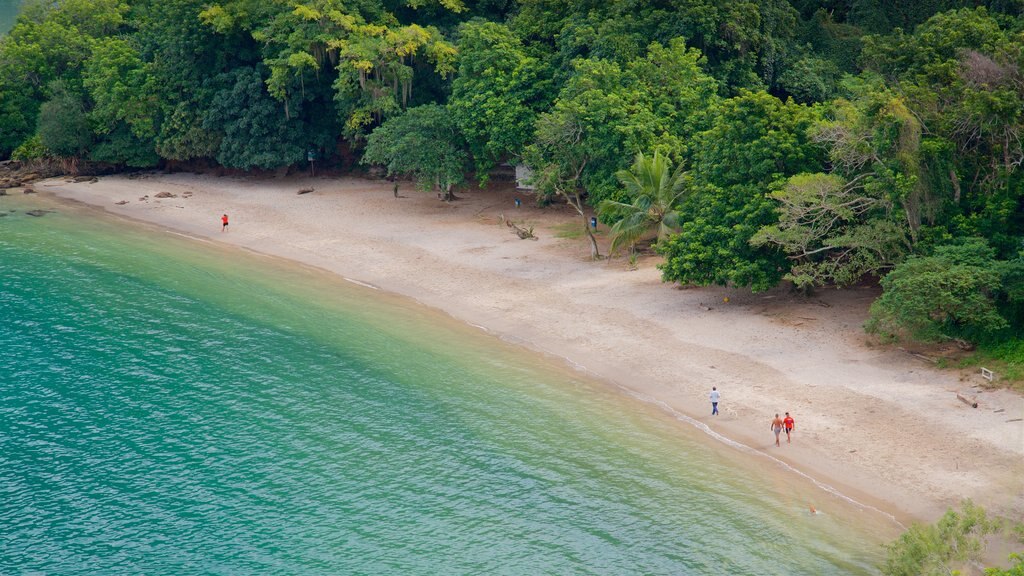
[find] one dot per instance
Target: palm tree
(655, 191)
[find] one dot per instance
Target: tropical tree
(496, 94)
(423, 143)
(656, 190)
(62, 125)
(755, 142)
(558, 160)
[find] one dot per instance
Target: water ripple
(163, 413)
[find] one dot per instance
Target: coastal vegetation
(820, 142)
(955, 542)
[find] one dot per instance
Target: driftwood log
(524, 233)
(969, 400)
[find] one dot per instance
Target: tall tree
(496, 94)
(755, 142)
(255, 134)
(424, 143)
(558, 159)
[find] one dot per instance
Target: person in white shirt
(714, 400)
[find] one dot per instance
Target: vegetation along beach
(486, 263)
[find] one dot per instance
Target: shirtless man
(777, 428)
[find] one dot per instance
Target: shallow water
(172, 406)
(8, 13)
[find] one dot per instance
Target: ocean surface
(174, 406)
(8, 13)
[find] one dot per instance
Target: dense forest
(820, 142)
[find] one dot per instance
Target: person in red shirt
(788, 423)
(224, 223)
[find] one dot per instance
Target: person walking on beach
(777, 428)
(788, 423)
(224, 223)
(714, 400)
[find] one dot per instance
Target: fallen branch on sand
(305, 190)
(969, 400)
(522, 232)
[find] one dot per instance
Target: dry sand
(877, 423)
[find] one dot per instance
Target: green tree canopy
(755, 142)
(497, 93)
(424, 143)
(949, 294)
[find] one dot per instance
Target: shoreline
(876, 425)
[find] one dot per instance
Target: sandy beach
(877, 423)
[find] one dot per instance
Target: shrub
(949, 294)
(933, 549)
(31, 149)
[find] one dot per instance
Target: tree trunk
(595, 254)
(576, 202)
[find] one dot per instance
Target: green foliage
(937, 549)
(654, 103)
(755, 139)
(423, 143)
(810, 79)
(862, 218)
(826, 140)
(1016, 568)
(31, 149)
(1005, 358)
(375, 76)
(713, 246)
(183, 137)
(496, 94)
(833, 231)
(63, 126)
(122, 146)
(121, 87)
(949, 294)
(255, 134)
(17, 116)
(655, 191)
(745, 42)
(754, 143)
(48, 44)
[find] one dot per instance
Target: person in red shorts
(788, 423)
(224, 223)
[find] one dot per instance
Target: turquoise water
(169, 406)
(8, 12)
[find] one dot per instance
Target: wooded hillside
(821, 142)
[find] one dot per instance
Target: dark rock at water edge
(28, 191)
(38, 213)
(3, 192)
